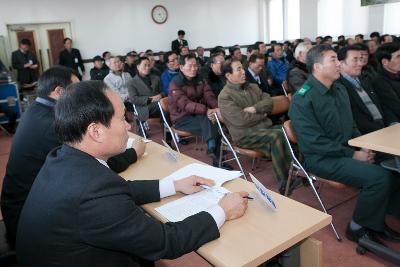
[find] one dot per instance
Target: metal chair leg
(289, 179)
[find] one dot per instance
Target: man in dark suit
(365, 104)
(201, 59)
(256, 73)
(25, 62)
(34, 138)
(387, 81)
(177, 44)
(145, 90)
(79, 213)
(71, 58)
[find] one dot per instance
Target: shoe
(224, 165)
(364, 233)
(389, 234)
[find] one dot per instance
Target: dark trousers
(199, 125)
(379, 188)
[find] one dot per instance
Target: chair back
(280, 105)
(164, 104)
(285, 87)
(287, 126)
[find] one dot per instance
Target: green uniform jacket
(323, 122)
(234, 98)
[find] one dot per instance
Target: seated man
(255, 73)
(192, 104)
(130, 63)
(298, 72)
(171, 71)
(278, 66)
(99, 70)
(34, 138)
(118, 81)
(322, 120)
(201, 59)
(213, 74)
(365, 104)
(145, 91)
(245, 109)
(80, 213)
(387, 81)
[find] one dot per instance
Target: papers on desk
(189, 205)
(219, 176)
(263, 192)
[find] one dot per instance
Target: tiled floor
(335, 254)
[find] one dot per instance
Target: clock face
(159, 14)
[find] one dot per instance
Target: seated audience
(80, 213)
(341, 38)
(130, 64)
(365, 105)
(387, 81)
(213, 76)
(322, 120)
(386, 38)
(287, 51)
(184, 51)
(118, 81)
(245, 109)
(374, 36)
(256, 73)
(192, 104)
(171, 70)
(359, 38)
(201, 59)
(145, 91)
(106, 56)
(278, 66)
(367, 72)
(34, 139)
(298, 72)
(99, 70)
(318, 40)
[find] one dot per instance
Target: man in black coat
(34, 138)
(387, 81)
(25, 62)
(99, 70)
(365, 104)
(212, 74)
(79, 213)
(71, 57)
(177, 44)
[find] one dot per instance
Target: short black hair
(53, 77)
(383, 37)
(82, 104)
(340, 37)
(374, 34)
(213, 58)
(217, 50)
(149, 52)
(362, 47)
(184, 59)
(360, 35)
(67, 39)
(25, 42)
(275, 45)
(342, 53)
(251, 48)
(232, 50)
(181, 32)
(105, 53)
(385, 51)
(315, 55)
(227, 66)
(168, 54)
(182, 47)
(253, 58)
(139, 61)
(257, 44)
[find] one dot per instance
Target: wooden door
(56, 44)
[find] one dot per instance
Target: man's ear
(56, 93)
(385, 61)
(95, 132)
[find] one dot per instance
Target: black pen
(248, 197)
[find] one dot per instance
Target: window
(275, 10)
(293, 19)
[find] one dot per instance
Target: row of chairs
(280, 106)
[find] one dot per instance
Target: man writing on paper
(80, 213)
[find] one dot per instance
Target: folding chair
(143, 125)
(164, 109)
(285, 89)
(297, 168)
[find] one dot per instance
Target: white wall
(122, 25)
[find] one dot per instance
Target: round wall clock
(159, 14)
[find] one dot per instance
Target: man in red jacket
(192, 104)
